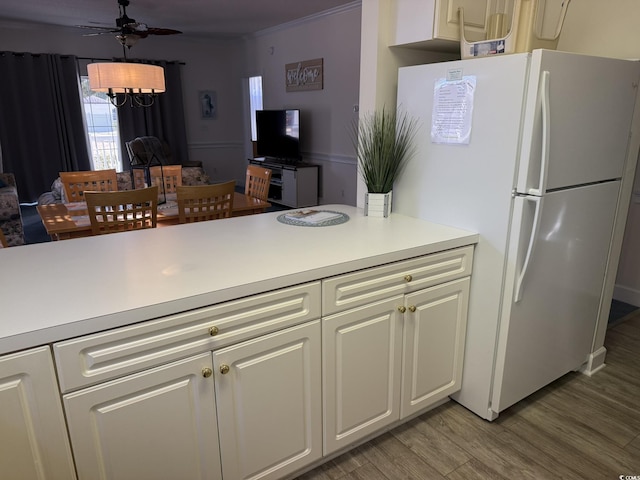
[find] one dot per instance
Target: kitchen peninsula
(233, 336)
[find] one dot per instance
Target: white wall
(379, 63)
(612, 29)
(327, 114)
(210, 64)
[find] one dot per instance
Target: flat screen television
(278, 133)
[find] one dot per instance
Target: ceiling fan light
(123, 77)
(128, 40)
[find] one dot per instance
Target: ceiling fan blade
(128, 29)
(110, 31)
(96, 27)
(161, 31)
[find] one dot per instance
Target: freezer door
(585, 120)
(547, 327)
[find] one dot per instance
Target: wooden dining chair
(3, 240)
(111, 212)
(205, 202)
(257, 182)
(171, 174)
(76, 183)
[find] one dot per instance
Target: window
(255, 102)
(101, 120)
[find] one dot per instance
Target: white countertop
(59, 290)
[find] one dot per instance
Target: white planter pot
(377, 204)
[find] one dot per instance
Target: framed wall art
(302, 76)
(208, 104)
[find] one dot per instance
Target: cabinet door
(269, 403)
(33, 437)
(159, 424)
(361, 370)
(420, 21)
(306, 186)
(289, 188)
(434, 337)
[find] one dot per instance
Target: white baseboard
(627, 295)
(595, 362)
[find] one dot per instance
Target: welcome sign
(302, 76)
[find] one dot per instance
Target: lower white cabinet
(435, 325)
(159, 424)
(362, 362)
(162, 424)
(269, 402)
(390, 359)
(33, 437)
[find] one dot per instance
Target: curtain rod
(19, 54)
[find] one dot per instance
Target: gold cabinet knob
(224, 369)
(213, 331)
(402, 309)
(408, 278)
(207, 372)
(412, 308)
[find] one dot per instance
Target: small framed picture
(208, 103)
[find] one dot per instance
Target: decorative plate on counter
(313, 218)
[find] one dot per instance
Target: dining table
(63, 221)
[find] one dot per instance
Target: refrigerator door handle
(532, 240)
(546, 134)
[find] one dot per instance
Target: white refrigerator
(528, 150)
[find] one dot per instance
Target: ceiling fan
(127, 30)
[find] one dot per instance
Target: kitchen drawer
(99, 357)
(367, 286)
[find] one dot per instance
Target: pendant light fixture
(139, 83)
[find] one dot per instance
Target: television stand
(292, 184)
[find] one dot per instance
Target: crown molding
(311, 18)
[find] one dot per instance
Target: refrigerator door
(547, 326)
(586, 140)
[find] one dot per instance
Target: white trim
(214, 145)
(311, 18)
(315, 157)
(595, 362)
(627, 295)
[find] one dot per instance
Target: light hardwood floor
(579, 427)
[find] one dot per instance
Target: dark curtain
(164, 119)
(41, 122)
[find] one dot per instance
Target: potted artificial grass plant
(384, 143)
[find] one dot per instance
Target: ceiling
(192, 17)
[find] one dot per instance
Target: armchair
(10, 215)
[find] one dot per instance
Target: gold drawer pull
(412, 308)
(408, 278)
(213, 331)
(207, 372)
(224, 369)
(402, 309)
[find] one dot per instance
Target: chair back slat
(76, 183)
(171, 174)
(205, 202)
(111, 212)
(257, 182)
